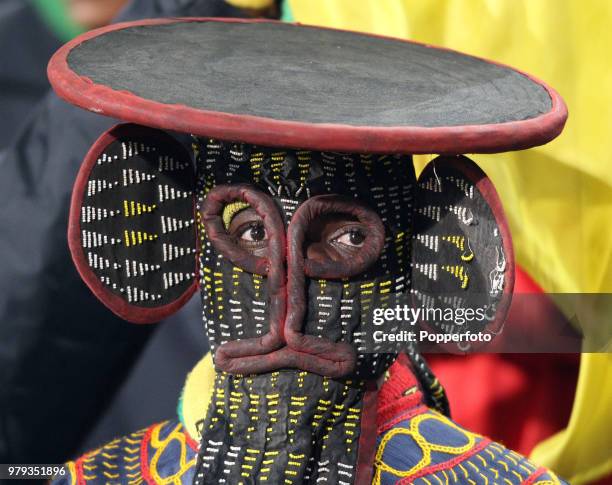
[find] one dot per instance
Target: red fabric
(516, 399)
(604, 481)
(144, 456)
(393, 397)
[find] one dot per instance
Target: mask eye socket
(254, 233)
(244, 225)
(337, 237)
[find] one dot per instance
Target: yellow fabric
(251, 4)
(196, 395)
(558, 198)
(563, 42)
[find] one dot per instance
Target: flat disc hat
(276, 84)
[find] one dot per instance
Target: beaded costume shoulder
(160, 454)
(415, 444)
(422, 447)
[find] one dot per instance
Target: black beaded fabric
(137, 222)
(460, 257)
(274, 419)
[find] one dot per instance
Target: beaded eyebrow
(231, 209)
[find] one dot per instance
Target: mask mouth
(288, 260)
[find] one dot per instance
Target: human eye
(249, 232)
(254, 232)
(350, 237)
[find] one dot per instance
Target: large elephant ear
(462, 249)
(132, 223)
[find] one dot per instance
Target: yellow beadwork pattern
(132, 208)
(458, 272)
(231, 209)
(133, 238)
(159, 445)
(433, 459)
(255, 162)
(460, 243)
(426, 447)
(116, 462)
(304, 164)
(277, 164)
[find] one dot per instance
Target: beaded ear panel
(462, 249)
(132, 227)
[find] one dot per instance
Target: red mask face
(287, 258)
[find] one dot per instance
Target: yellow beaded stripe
(231, 209)
(458, 272)
(459, 243)
(256, 161)
(304, 164)
(133, 238)
(276, 166)
(133, 208)
(72, 473)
